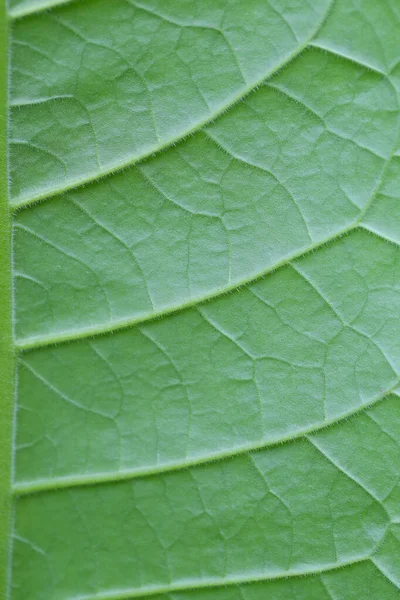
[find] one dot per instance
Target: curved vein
(61, 337)
(18, 12)
(102, 329)
(212, 583)
(24, 201)
(126, 323)
(341, 54)
(53, 484)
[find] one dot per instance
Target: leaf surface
(172, 439)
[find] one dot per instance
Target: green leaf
(171, 439)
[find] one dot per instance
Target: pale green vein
(383, 235)
(211, 583)
(384, 571)
(60, 337)
(34, 7)
(126, 323)
(347, 474)
(55, 483)
(24, 201)
(340, 54)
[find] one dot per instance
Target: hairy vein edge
(201, 584)
(32, 343)
(49, 485)
(23, 202)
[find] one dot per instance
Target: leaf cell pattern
(206, 284)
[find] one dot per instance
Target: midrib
(6, 342)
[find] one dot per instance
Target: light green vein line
(204, 584)
(380, 234)
(383, 570)
(340, 54)
(121, 324)
(23, 201)
(32, 343)
(53, 484)
(32, 8)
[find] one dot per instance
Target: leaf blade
(292, 183)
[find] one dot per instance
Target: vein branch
(25, 201)
(48, 485)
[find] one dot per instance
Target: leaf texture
(172, 439)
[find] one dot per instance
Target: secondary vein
(118, 325)
(18, 12)
(204, 584)
(24, 202)
(53, 484)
